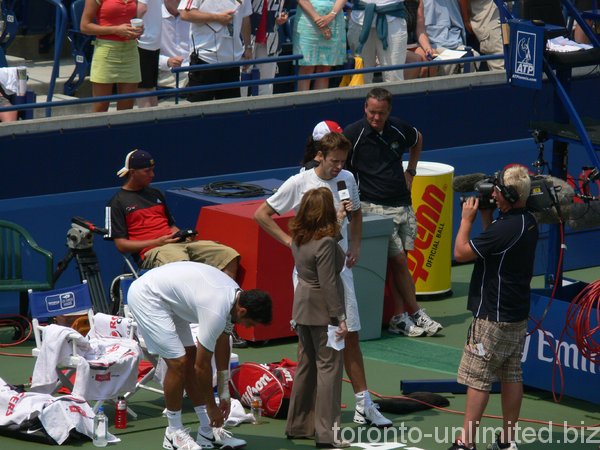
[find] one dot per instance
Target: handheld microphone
(344, 195)
(466, 183)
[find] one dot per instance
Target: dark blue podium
(549, 342)
(185, 202)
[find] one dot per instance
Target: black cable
(231, 189)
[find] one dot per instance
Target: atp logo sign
(525, 53)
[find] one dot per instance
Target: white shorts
(352, 317)
(164, 333)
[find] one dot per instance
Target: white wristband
(223, 384)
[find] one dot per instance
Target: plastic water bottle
(21, 80)
(256, 407)
(121, 413)
(100, 438)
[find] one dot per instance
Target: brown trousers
(316, 395)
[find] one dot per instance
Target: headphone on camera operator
(509, 193)
(487, 185)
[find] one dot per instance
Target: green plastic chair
(18, 252)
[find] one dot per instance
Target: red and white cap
(325, 127)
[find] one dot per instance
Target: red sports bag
(272, 381)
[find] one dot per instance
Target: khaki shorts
(207, 252)
(502, 344)
(404, 233)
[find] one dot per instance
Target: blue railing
(60, 27)
(227, 65)
(246, 83)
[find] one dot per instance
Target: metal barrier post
(60, 25)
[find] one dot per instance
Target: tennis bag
(272, 381)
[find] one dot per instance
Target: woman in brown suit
(318, 302)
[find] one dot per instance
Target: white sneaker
(179, 439)
(495, 446)
(219, 438)
(422, 320)
(371, 415)
(404, 324)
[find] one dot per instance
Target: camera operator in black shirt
(499, 295)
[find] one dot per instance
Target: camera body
(483, 192)
(542, 194)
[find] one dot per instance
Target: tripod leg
(62, 266)
(89, 269)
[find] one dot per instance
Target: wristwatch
(411, 172)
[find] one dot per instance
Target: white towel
(109, 370)
(106, 325)
(237, 414)
(56, 346)
(58, 415)
(67, 412)
(8, 79)
(563, 45)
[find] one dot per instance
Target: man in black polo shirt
(499, 300)
(378, 142)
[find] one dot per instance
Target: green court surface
(388, 361)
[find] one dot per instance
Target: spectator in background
(149, 49)
(423, 52)
(9, 85)
(220, 34)
(319, 34)
(318, 302)
(377, 32)
(482, 18)
(445, 29)
(266, 16)
(116, 59)
(578, 34)
(174, 45)
(6, 116)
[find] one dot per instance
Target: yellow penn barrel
(430, 261)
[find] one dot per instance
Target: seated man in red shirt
(140, 223)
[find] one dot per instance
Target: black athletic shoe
(459, 445)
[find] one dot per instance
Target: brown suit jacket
(319, 294)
